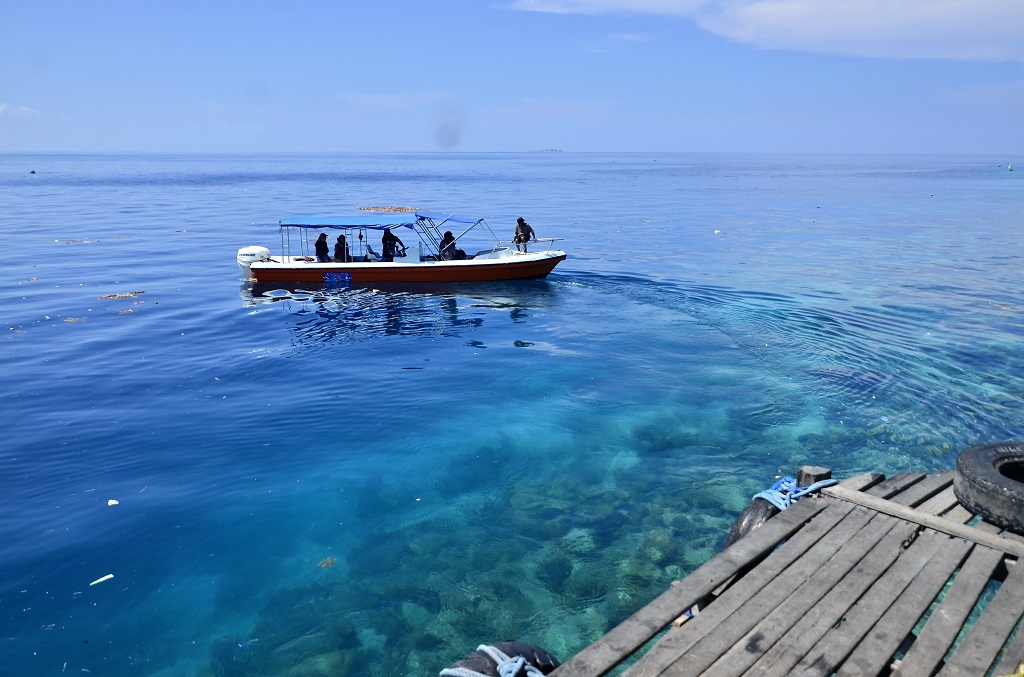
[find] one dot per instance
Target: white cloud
(6, 110)
(987, 30)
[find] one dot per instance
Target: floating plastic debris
(102, 578)
(124, 295)
(113, 502)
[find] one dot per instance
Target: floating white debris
(112, 502)
(104, 578)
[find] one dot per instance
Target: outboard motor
(247, 255)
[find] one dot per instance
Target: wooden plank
(677, 640)
(893, 485)
(859, 482)
(863, 481)
(940, 503)
(827, 613)
(876, 649)
(1014, 656)
(959, 514)
(988, 527)
(1013, 537)
(811, 474)
(980, 647)
(921, 491)
(948, 618)
(844, 609)
(621, 641)
(797, 589)
(931, 521)
(793, 628)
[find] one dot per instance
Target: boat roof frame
(427, 225)
(347, 222)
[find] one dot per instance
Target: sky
(830, 76)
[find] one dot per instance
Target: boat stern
(247, 256)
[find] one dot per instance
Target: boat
(419, 260)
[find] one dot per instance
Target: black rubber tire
(480, 662)
(989, 481)
(757, 512)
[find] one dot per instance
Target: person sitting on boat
(447, 250)
(388, 242)
(341, 252)
(524, 233)
(323, 250)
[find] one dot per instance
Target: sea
(199, 477)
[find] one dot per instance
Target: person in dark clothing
(447, 248)
(524, 233)
(389, 241)
(341, 252)
(448, 251)
(323, 250)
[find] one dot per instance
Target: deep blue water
(531, 460)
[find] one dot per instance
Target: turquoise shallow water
(529, 460)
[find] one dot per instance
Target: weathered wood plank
(940, 503)
(677, 640)
(621, 641)
(948, 618)
(862, 482)
(980, 647)
(844, 615)
(814, 608)
(924, 519)
(891, 486)
(875, 650)
(810, 474)
(810, 629)
(988, 527)
(959, 514)
(810, 573)
(1013, 657)
(1013, 537)
(921, 491)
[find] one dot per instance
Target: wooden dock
(873, 576)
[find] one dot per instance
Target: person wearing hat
(524, 233)
(323, 250)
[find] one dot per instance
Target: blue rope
(785, 492)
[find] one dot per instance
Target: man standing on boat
(388, 241)
(524, 233)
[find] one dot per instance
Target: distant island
(548, 150)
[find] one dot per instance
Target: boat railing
(508, 244)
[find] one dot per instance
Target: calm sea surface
(372, 482)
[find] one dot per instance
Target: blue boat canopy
(448, 218)
(371, 221)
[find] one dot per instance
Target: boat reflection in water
(330, 313)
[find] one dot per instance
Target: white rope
(508, 666)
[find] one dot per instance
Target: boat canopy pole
(471, 227)
(286, 244)
(428, 235)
